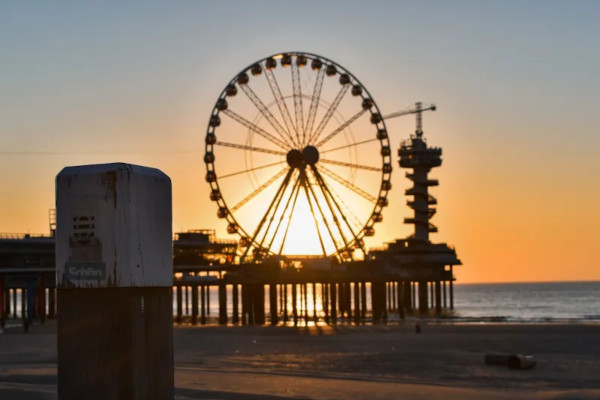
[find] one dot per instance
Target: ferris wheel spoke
(341, 127)
(297, 91)
(314, 102)
(334, 105)
(283, 108)
(327, 191)
(287, 205)
(272, 219)
(305, 184)
(250, 148)
(251, 169)
(258, 190)
(348, 145)
(335, 220)
(268, 115)
(346, 183)
(256, 129)
(290, 219)
(265, 216)
(332, 211)
(350, 165)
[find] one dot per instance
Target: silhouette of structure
(310, 155)
(429, 264)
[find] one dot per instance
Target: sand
(445, 361)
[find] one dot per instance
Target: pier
(299, 291)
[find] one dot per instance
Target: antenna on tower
(418, 110)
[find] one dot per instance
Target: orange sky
(516, 89)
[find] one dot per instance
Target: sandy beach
(369, 362)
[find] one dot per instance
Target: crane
(418, 110)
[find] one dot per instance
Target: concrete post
(114, 281)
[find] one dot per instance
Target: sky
(516, 84)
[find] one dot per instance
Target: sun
(303, 236)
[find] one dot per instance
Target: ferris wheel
(298, 158)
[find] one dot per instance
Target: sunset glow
(516, 85)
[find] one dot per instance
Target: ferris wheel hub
(294, 159)
(300, 159)
(310, 155)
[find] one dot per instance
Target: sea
(548, 302)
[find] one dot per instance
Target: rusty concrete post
(114, 283)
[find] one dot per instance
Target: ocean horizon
(528, 302)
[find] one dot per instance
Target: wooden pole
(423, 297)
(186, 292)
(445, 295)
(235, 299)
(430, 285)
(375, 306)
(259, 304)
(356, 303)
(273, 303)
(42, 303)
(244, 304)
(314, 297)
(349, 301)
(390, 297)
(284, 289)
(408, 305)
(15, 312)
(438, 297)
(2, 305)
(334, 303)
(250, 296)
(208, 299)
(384, 301)
(305, 289)
(203, 304)
(295, 303)
(400, 298)
(51, 303)
(325, 295)
(363, 300)
(179, 304)
(222, 303)
(341, 299)
(6, 310)
(24, 303)
(195, 304)
(451, 289)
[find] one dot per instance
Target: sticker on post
(85, 271)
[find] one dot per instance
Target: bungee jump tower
(429, 265)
